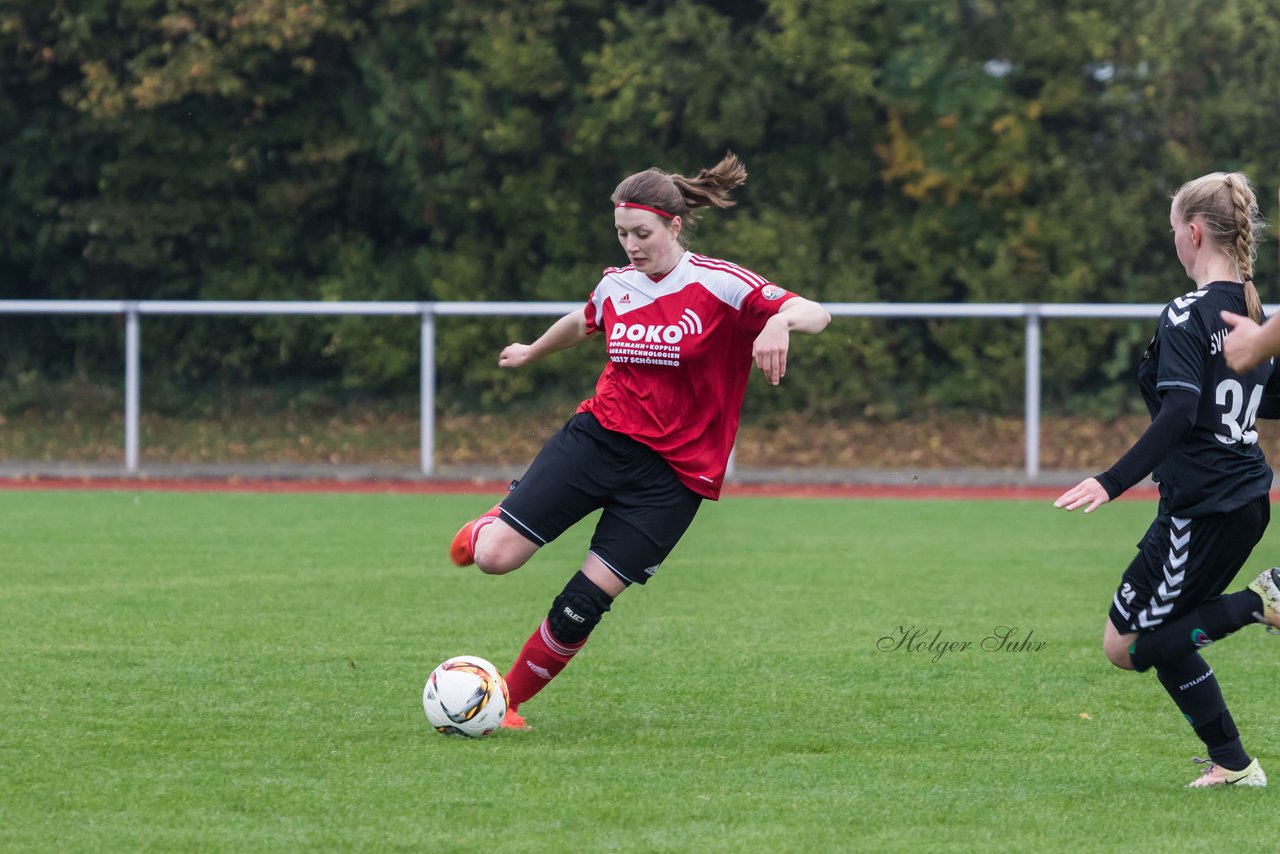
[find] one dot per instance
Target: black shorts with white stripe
(584, 468)
(1182, 562)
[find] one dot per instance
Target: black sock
(1194, 689)
(1210, 622)
(1228, 750)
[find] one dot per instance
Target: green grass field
(232, 672)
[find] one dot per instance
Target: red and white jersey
(679, 358)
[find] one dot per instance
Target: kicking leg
(573, 616)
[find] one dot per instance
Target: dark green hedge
(465, 149)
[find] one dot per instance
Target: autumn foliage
(465, 150)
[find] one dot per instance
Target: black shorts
(1181, 563)
(585, 467)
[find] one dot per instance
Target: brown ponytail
(678, 195)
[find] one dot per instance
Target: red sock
(541, 660)
(477, 526)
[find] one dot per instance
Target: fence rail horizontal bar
(1137, 311)
(1032, 314)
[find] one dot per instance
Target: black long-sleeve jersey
(1218, 465)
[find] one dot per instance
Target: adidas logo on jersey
(689, 324)
(626, 298)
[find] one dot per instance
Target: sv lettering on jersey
(1215, 341)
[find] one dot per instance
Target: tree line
(917, 150)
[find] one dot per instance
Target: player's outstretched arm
(1166, 431)
(568, 331)
(770, 348)
(1249, 344)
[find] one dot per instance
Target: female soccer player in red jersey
(1213, 477)
(681, 333)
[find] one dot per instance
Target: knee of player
(490, 567)
(1118, 655)
(495, 558)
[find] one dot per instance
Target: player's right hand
(1088, 493)
(515, 356)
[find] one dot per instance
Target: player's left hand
(770, 350)
(1086, 492)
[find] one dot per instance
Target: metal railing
(427, 312)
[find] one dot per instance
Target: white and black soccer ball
(465, 696)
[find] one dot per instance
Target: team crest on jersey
(771, 292)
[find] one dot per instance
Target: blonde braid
(1247, 221)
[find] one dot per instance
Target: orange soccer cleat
(513, 720)
(462, 550)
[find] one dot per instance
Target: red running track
(450, 487)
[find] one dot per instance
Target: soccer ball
(465, 696)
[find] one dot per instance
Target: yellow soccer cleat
(1216, 775)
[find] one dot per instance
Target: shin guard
(573, 615)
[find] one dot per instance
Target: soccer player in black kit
(1202, 450)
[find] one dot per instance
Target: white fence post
(1031, 406)
(132, 384)
(427, 403)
